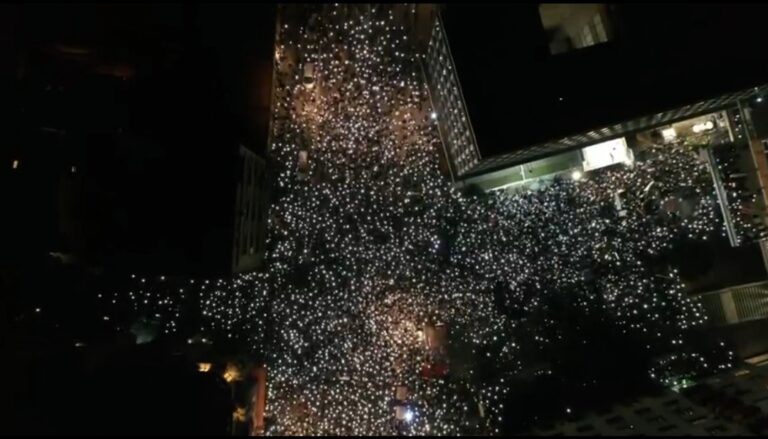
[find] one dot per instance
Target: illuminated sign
(606, 154)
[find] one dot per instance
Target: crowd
(369, 244)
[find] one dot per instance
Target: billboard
(607, 153)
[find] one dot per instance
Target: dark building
(116, 388)
(513, 83)
(135, 135)
(728, 404)
(523, 93)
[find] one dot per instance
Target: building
(136, 135)
(740, 314)
(566, 76)
(733, 403)
(110, 388)
(565, 89)
(525, 93)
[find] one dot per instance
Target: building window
(586, 36)
(571, 26)
(669, 134)
(600, 33)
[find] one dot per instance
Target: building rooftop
(732, 403)
(518, 94)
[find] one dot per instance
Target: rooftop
(518, 94)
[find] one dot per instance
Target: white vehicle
(309, 75)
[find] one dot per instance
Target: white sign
(607, 154)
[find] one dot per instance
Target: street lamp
(576, 175)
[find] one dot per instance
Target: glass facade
(449, 108)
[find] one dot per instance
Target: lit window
(231, 373)
(15, 164)
(704, 126)
(669, 134)
(574, 25)
(586, 37)
(600, 33)
(239, 414)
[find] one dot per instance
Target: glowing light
(669, 134)
(607, 153)
(231, 373)
(239, 415)
(704, 126)
(354, 262)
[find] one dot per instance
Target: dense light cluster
(231, 309)
(740, 198)
(369, 243)
(601, 245)
(603, 232)
(360, 242)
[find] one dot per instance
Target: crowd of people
(369, 243)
